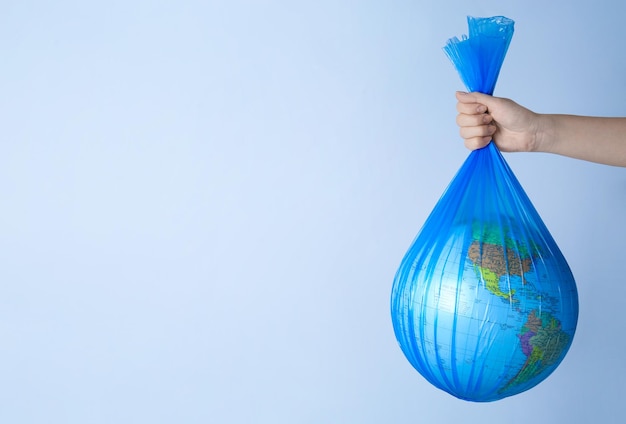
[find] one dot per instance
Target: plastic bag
(484, 305)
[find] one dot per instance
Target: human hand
(482, 118)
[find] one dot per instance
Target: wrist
(542, 135)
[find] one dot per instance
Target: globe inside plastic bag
(484, 304)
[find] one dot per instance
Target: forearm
(601, 140)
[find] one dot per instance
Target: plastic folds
(484, 305)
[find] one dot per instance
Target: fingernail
(481, 109)
(462, 93)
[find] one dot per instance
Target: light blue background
(203, 205)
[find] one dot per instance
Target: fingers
(471, 108)
(476, 130)
(476, 125)
(468, 120)
(481, 131)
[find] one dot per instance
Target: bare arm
(517, 129)
(601, 140)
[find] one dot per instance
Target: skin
(515, 128)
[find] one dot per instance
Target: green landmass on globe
(543, 342)
(495, 255)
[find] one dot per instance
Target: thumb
(474, 97)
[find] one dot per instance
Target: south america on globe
(484, 305)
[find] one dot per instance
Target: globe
(485, 311)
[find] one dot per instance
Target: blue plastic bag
(484, 305)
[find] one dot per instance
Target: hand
(482, 118)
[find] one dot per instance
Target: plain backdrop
(203, 205)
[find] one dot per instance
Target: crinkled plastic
(484, 304)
